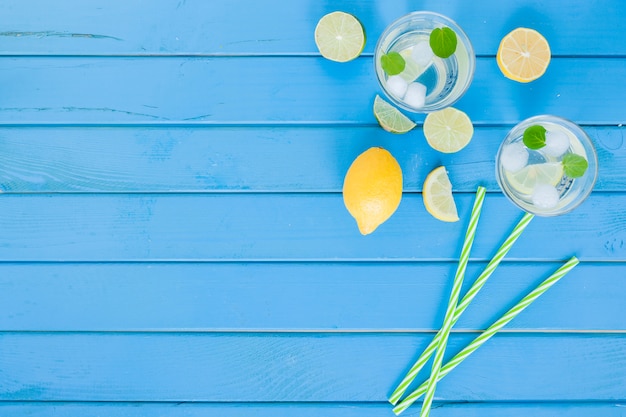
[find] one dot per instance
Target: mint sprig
(535, 137)
(443, 42)
(574, 165)
(393, 63)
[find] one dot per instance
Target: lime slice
(437, 194)
(412, 70)
(448, 130)
(525, 180)
(390, 118)
(340, 37)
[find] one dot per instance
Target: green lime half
(340, 37)
(525, 180)
(390, 118)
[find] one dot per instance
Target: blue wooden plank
(261, 296)
(302, 368)
(254, 158)
(205, 109)
(287, 227)
(285, 27)
(180, 409)
(299, 89)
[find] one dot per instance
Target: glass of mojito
(547, 165)
(424, 62)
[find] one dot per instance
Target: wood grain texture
(284, 27)
(240, 297)
(242, 227)
(174, 242)
(182, 409)
(251, 90)
(249, 159)
(302, 368)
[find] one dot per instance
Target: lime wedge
(412, 70)
(390, 118)
(448, 130)
(340, 37)
(525, 180)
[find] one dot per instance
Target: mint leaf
(392, 63)
(443, 42)
(574, 165)
(535, 137)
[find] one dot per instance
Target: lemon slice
(390, 118)
(437, 194)
(525, 180)
(340, 37)
(448, 130)
(523, 55)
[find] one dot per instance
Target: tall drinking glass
(428, 82)
(554, 178)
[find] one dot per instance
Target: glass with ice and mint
(424, 62)
(547, 165)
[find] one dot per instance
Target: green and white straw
(454, 298)
(476, 287)
(487, 334)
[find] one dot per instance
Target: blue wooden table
(173, 240)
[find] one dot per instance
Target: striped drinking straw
(476, 287)
(452, 302)
(492, 330)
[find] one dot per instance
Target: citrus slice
(340, 37)
(523, 55)
(390, 118)
(448, 130)
(412, 70)
(437, 194)
(525, 180)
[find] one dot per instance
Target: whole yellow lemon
(372, 189)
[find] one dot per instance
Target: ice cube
(415, 95)
(514, 157)
(545, 196)
(397, 86)
(422, 53)
(557, 143)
